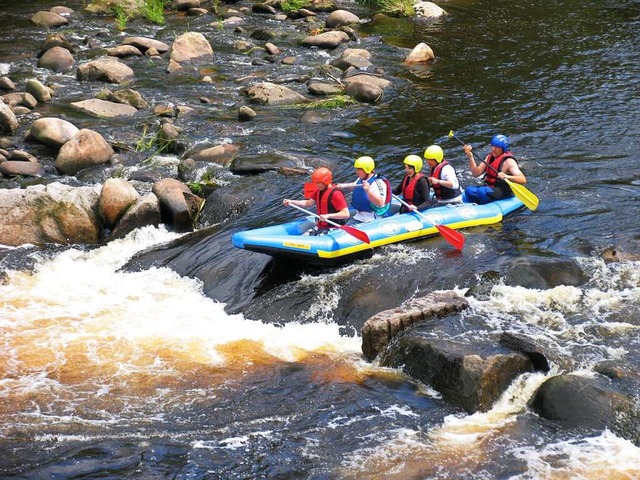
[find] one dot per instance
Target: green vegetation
(395, 8)
(292, 5)
(152, 10)
(338, 101)
(151, 142)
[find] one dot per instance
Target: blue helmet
(500, 141)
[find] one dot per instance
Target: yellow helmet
(434, 152)
(365, 163)
(415, 161)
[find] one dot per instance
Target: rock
(267, 93)
(428, 10)
(587, 403)
(53, 132)
(104, 109)
(536, 353)
(328, 40)
(12, 168)
(116, 197)
(341, 18)
(191, 46)
(421, 53)
(39, 91)
(353, 57)
(20, 98)
(56, 59)
(7, 85)
(184, 5)
(145, 211)
(324, 89)
(49, 19)
(143, 44)
(107, 69)
(8, 120)
(246, 113)
(54, 213)
(56, 40)
(87, 148)
(544, 273)
(622, 253)
(363, 92)
(130, 97)
(378, 330)
(176, 210)
(62, 10)
(123, 51)
(220, 154)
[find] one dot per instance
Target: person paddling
(372, 192)
(443, 177)
(502, 165)
(330, 202)
(414, 186)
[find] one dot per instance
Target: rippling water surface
(111, 373)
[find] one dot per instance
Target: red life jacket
(442, 192)
(491, 174)
(324, 205)
(409, 187)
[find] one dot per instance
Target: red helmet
(322, 174)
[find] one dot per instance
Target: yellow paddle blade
(525, 195)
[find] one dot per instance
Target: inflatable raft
(286, 240)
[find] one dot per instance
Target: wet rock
(272, 49)
(421, 53)
(53, 132)
(246, 113)
(471, 376)
(544, 273)
(56, 59)
(20, 98)
(429, 10)
(62, 10)
(56, 40)
(131, 97)
(191, 46)
(177, 205)
(8, 120)
(220, 154)
(123, 51)
(145, 211)
(116, 197)
(528, 347)
(341, 18)
(104, 109)
(184, 5)
(12, 168)
(263, 8)
(353, 57)
(143, 44)
(49, 19)
(86, 149)
(381, 328)
(267, 93)
(7, 85)
(108, 69)
(622, 253)
(327, 40)
(262, 34)
(40, 92)
(592, 403)
(363, 92)
(324, 89)
(54, 213)
(352, 76)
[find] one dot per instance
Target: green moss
(292, 5)
(395, 8)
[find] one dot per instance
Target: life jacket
(442, 192)
(360, 201)
(408, 187)
(491, 174)
(324, 205)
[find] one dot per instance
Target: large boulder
(86, 149)
(53, 132)
(267, 93)
(191, 46)
(326, 40)
(57, 59)
(116, 197)
(107, 69)
(54, 213)
(145, 211)
(8, 120)
(178, 206)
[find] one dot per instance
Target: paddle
(456, 239)
(359, 234)
(309, 189)
(523, 193)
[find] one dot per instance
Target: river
(224, 367)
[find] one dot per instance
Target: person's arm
(397, 190)
(512, 172)
(375, 192)
(476, 170)
(448, 179)
(347, 186)
(308, 202)
(340, 204)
